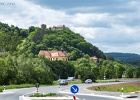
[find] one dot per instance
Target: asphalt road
(83, 93)
(14, 94)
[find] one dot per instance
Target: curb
(46, 98)
(128, 96)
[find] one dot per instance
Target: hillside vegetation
(130, 58)
(20, 63)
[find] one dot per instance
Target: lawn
(106, 81)
(127, 87)
(46, 95)
(16, 86)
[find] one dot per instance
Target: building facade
(43, 26)
(94, 59)
(60, 27)
(54, 55)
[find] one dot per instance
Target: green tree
(129, 73)
(137, 72)
(86, 69)
(3, 71)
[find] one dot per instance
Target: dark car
(63, 82)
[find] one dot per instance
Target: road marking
(7, 92)
(106, 96)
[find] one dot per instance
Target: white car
(63, 82)
(88, 81)
(70, 79)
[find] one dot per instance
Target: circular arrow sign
(74, 89)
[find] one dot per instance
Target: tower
(43, 26)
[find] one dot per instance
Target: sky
(110, 25)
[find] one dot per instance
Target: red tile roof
(53, 53)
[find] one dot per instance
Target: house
(54, 55)
(94, 59)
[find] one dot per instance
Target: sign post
(4, 87)
(74, 89)
(74, 97)
(79, 76)
(122, 91)
(37, 86)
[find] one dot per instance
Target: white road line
(106, 96)
(6, 92)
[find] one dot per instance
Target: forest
(20, 62)
(130, 58)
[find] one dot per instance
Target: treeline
(27, 69)
(108, 69)
(23, 69)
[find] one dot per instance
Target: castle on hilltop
(60, 27)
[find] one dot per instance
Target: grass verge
(106, 81)
(45, 95)
(16, 86)
(128, 87)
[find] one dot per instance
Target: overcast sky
(110, 25)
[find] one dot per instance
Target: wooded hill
(34, 39)
(126, 57)
(20, 63)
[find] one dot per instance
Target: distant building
(94, 59)
(60, 27)
(43, 26)
(54, 55)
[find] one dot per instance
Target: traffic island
(44, 96)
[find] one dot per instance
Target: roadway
(83, 93)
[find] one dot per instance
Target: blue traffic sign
(74, 89)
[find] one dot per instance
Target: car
(63, 82)
(88, 81)
(70, 79)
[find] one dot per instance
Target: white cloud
(88, 33)
(82, 9)
(25, 14)
(132, 48)
(86, 19)
(109, 31)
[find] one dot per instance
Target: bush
(1, 89)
